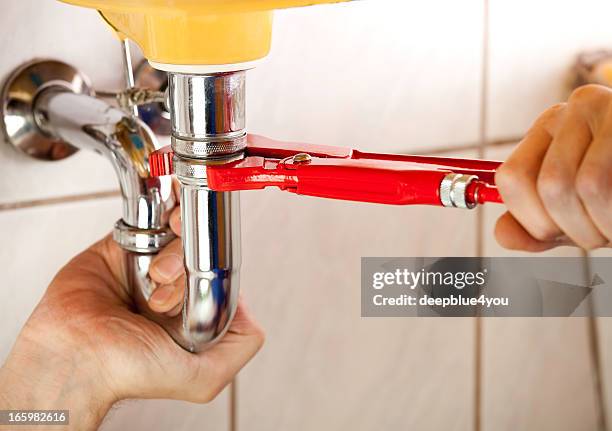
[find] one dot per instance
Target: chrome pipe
(207, 114)
(208, 126)
(89, 123)
(211, 240)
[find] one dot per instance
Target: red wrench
(347, 174)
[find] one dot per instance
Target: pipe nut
(453, 191)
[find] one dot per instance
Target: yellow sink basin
(196, 32)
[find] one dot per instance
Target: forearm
(31, 381)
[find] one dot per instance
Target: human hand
(557, 184)
(84, 348)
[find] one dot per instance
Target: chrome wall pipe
(91, 124)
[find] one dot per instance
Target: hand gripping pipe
(210, 219)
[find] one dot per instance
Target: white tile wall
(537, 372)
(386, 75)
(533, 44)
(38, 242)
(325, 367)
(604, 329)
(49, 29)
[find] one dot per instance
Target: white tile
(537, 372)
(163, 415)
(533, 47)
(604, 326)
(50, 29)
(325, 367)
(37, 243)
(385, 75)
(537, 375)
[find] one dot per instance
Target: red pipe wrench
(347, 174)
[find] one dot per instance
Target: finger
(176, 187)
(168, 298)
(517, 179)
(557, 181)
(216, 368)
(168, 264)
(594, 183)
(175, 221)
(511, 235)
(178, 308)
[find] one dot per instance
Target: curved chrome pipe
(208, 126)
(210, 220)
(88, 123)
(212, 261)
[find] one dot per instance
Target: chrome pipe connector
(207, 114)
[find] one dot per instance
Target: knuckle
(592, 183)
(590, 94)
(550, 115)
(509, 178)
(552, 188)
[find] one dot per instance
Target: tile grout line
(595, 352)
(233, 405)
(11, 206)
(478, 324)
(17, 205)
(471, 146)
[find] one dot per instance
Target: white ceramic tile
(37, 243)
(532, 49)
(537, 372)
(385, 75)
(50, 29)
(537, 375)
(604, 326)
(325, 367)
(164, 415)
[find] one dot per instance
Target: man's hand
(84, 347)
(557, 184)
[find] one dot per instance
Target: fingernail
(162, 294)
(169, 266)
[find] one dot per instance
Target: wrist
(35, 378)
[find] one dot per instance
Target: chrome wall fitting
(19, 95)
